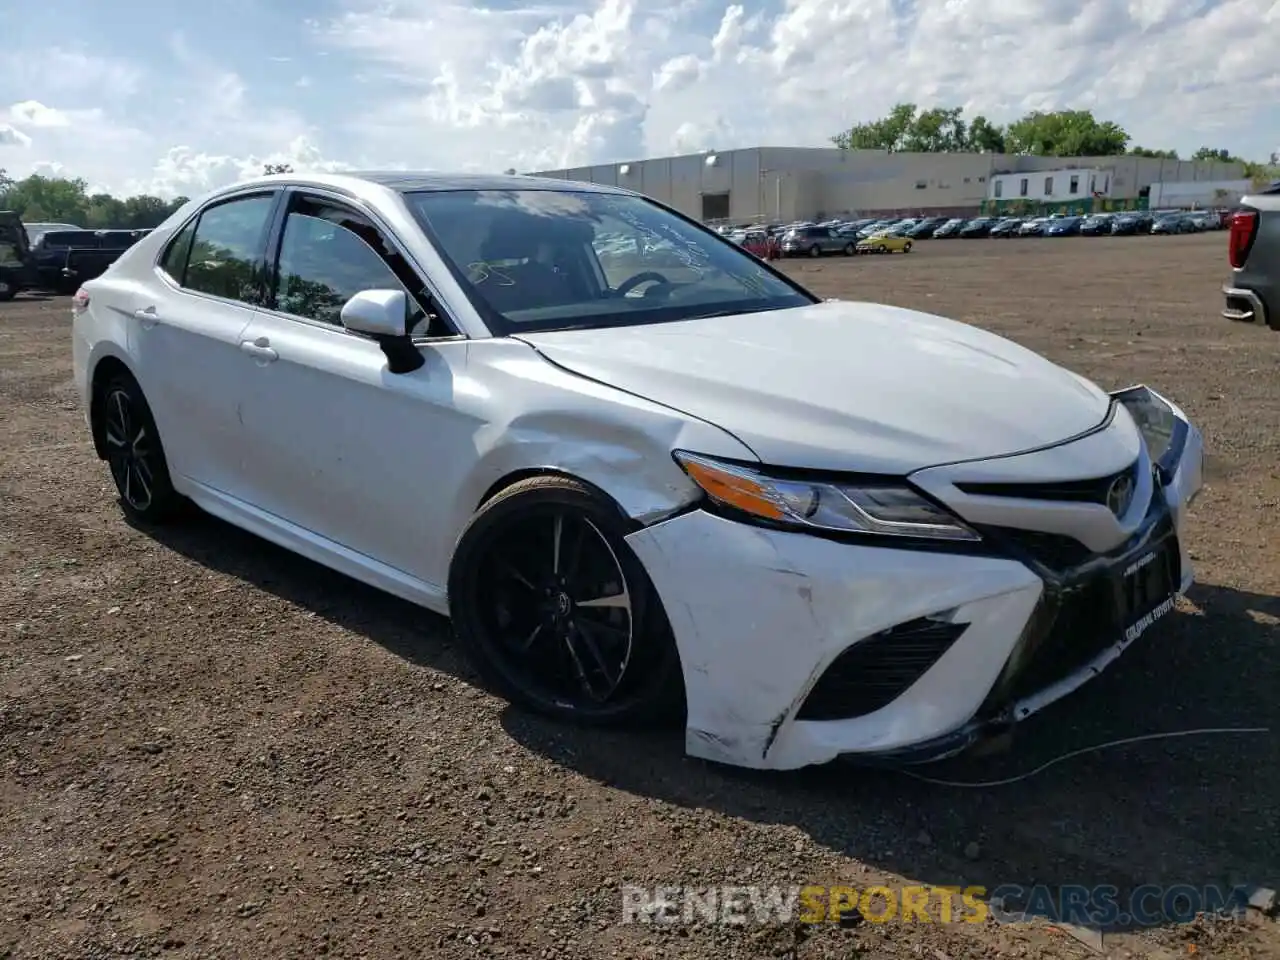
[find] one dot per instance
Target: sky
(152, 96)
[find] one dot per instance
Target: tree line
(41, 199)
(1058, 133)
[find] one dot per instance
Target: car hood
(842, 386)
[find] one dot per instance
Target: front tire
(134, 452)
(815, 251)
(557, 613)
(906, 247)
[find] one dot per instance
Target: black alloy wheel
(556, 611)
(133, 452)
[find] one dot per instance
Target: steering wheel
(647, 276)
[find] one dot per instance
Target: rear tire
(7, 291)
(906, 247)
(815, 251)
(848, 249)
(557, 613)
(135, 455)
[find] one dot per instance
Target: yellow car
(885, 243)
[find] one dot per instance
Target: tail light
(80, 302)
(1244, 227)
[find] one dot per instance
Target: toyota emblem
(1120, 495)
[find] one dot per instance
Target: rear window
(69, 238)
(118, 241)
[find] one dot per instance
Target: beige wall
(788, 183)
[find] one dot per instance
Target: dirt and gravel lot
(213, 749)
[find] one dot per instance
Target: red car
(760, 244)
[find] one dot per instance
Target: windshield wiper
(721, 313)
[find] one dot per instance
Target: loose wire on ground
(1096, 748)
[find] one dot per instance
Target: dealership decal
(1140, 627)
(1140, 563)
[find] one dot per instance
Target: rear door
(185, 331)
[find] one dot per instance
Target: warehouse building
(792, 183)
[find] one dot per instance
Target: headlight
(1159, 424)
(885, 509)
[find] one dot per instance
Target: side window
(174, 261)
(225, 257)
(327, 256)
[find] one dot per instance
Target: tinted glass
(225, 256)
(323, 265)
(550, 259)
(117, 241)
(174, 261)
(69, 238)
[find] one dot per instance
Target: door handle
(259, 349)
(147, 317)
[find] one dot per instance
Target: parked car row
(806, 239)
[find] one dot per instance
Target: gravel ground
(214, 749)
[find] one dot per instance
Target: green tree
(936, 130)
(887, 133)
(985, 136)
(1060, 133)
(1065, 133)
(54, 197)
(1154, 154)
(39, 199)
(1215, 155)
(940, 130)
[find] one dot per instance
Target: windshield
(532, 260)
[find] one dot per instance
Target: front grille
(1056, 551)
(1073, 625)
(874, 672)
(1062, 638)
(1092, 490)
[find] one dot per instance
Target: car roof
(360, 183)
(410, 181)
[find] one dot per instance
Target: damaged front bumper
(764, 617)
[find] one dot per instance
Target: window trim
(222, 199)
(275, 239)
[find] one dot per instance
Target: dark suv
(1253, 249)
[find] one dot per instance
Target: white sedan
(646, 475)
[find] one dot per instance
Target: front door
(336, 443)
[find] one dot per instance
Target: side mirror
(383, 316)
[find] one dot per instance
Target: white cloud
(183, 171)
(491, 88)
(32, 113)
(13, 137)
(450, 85)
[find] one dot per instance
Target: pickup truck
(15, 256)
(1253, 248)
(61, 260)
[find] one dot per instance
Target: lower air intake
(874, 672)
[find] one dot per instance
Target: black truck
(61, 260)
(15, 256)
